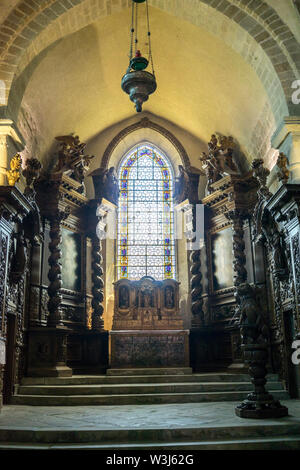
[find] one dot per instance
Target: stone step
(111, 379)
(276, 443)
(148, 436)
(151, 371)
(136, 388)
(136, 399)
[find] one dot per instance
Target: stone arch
(113, 154)
(143, 124)
(26, 22)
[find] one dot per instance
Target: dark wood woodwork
(10, 363)
(98, 284)
(54, 275)
(15, 225)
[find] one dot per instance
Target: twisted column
(239, 258)
(196, 278)
(54, 274)
(98, 285)
(196, 284)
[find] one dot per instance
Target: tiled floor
(134, 417)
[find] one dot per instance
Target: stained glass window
(145, 216)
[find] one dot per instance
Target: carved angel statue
(283, 172)
(226, 149)
(182, 185)
(71, 158)
(219, 160)
(13, 175)
(211, 167)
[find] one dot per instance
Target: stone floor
(134, 417)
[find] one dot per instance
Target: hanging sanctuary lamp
(137, 82)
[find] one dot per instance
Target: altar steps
(155, 386)
(140, 379)
(242, 437)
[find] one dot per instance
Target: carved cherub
(13, 175)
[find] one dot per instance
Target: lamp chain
(131, 33)
(136, 25)
(149, 39)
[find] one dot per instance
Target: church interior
(150, 224)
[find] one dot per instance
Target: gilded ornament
(13, 175)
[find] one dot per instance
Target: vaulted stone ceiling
(222, 65)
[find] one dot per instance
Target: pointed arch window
(146, 245)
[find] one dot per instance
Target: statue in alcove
(169, 297)
(123, 297)
(146, 299)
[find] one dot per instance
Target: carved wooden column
(96, 235)
(34, 232)
(54, 275)
(98, 284)
(196, 287)
(196, 278)
(239, 259)
(47, 345)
